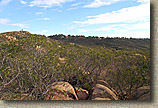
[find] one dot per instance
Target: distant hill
(116, 43)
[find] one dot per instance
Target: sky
(112, 18)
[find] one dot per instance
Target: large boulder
(102, 90)
(61, 91)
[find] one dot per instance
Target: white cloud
(77, 22)
(44, 31)
(76, 4)
(130, 14)
(4, 21)
(107, 28)
(48, 3)
(57, 10)
(145, 25)
(71, 27)
(99, 3)
(132, 19)
(39, 13)
(23, 2)
(125, 27)
(4, 2)
(143, 1)
(7, 23)
(82, 30)
(72, 8)
(20, 25)
(54, 9)
(45, 19)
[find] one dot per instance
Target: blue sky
(113, 18)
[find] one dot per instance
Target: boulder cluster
(102, 91)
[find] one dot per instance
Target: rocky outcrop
(101, 91)
(65, 91)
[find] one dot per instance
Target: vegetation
(29, 63)
(116, 43)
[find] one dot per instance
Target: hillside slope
(29, 63)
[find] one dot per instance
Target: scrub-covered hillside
(30, 63)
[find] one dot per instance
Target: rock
(101, 91)
(85, 73)
(59, 46)
(138, 55)
(102, 82)
(101, 99)
(81, 93)
(63, 88)
(141, 93)
(62, 60)
(145, 96)
(72, 43)
(41, 49)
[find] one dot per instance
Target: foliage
(31, 63)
